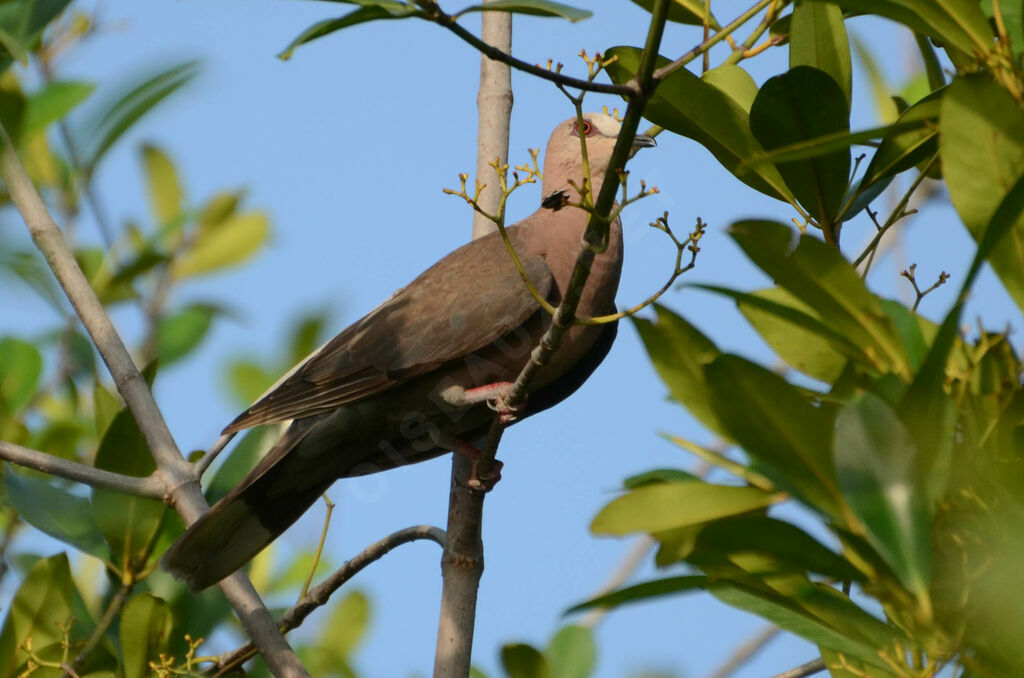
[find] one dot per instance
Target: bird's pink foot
(495, 395)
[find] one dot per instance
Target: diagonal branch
(321, 593)
(180, 483)
(431, 12)
(152, 487)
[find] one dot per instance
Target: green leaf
(693, 108)
(233, 242)
(775, 424)
(789, 616)
(904, 147)
(1013, 19)
(670, 505)
(130, 105)
(735, 82)
(348, 624)
(145, 632)
(820, 277)
(683, 12)
(823, 145)
(982, 147)
(105, 406)
(876, 463)
(180, 333)
(908, 325)
(370, 11)
(679, 352)
(55, 512)
(248, 381)
(783, 114)
(818, 38)
(778, 547)
(20, 368)
(933, 68)
(644, 591)
(43, 601)
(24, 23)
(533, 7)
(957, 23)
(660, 475)
(523, 661)
(793, 331)
(242, 459)
(218, 209)
(306, 335)
(53, 103)
(129, 524)
(164, 188)
(572, 652)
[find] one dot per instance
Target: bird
(419, 375)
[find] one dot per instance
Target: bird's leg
(475, 481)
(494, 395)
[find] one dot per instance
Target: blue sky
(348, 146)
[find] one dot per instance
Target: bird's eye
(586, 127)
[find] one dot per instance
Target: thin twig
(804, 670)
(320, 594)
(152, 487)
(99, 633)
(747, 46)
(431, 12)
(204, 462)
(726, 31)
(183, 490)
(746, 651)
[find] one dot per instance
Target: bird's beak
(643, 141)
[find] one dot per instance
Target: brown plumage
(370, 399)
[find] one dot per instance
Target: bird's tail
(277, 492)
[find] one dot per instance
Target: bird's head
(563, 159)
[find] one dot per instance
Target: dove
(419, 375)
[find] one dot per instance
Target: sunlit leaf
(735, 82)
(145, 630)
(664, 506)
(534, 7)
(821, 278)
(684, 12)
(879, 476)
(163, 186)
(693, 108)
(43, 601)
(982, 147)
(817, 38)
(572, 652)
(776, 425)
(679, 352)
(233, 242)
(348, 623)
(905, 146)
(53, 103)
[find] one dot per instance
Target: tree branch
(431, 12)
(746, 651)
(804, 670)
(462, 563)
(182, 484)
(321, 593)
(151, 487)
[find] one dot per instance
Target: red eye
(586, 128)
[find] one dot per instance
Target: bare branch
(431, 12)
(321, 593)
(804, 670)
(746, 651)
(630, 563)
(184, 492)
(152, 487)
(204, 462)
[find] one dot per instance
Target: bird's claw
(506, 413)
(484, 482)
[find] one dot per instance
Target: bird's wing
(462, 303)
